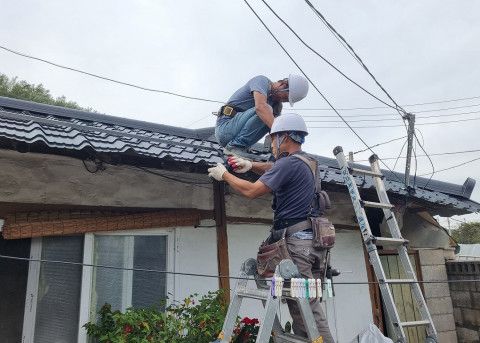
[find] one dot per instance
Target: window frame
(85, 313)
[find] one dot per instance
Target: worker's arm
(261, 168)
(263, 109)
(246, 188)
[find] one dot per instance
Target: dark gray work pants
(311, 263)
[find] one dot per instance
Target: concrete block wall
(465, 298)
(437, 295)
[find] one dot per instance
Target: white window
(53, 291)
(61, 298)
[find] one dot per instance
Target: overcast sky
(421, 51)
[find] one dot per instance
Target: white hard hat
(297, 88)
(289, 122)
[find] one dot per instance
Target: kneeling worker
(293, 185)
(248, 114)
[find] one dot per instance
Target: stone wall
(465, 298)
(437, 295)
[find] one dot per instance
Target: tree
(467, 233)
(21, 89)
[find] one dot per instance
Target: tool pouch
(323, 233)
(270, 255)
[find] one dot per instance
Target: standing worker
(248, 115)
(292, 182)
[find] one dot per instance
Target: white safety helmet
(297, 88)
(289, 122)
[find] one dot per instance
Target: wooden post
(222, 238)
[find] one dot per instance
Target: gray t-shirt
(243, 97)
(293, 186)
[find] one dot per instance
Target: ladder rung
(253, 294)
(415, 323)
(400, 281)
(364, 172)
(389, 241)
(376, 204)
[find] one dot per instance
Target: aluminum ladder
(269, 324)
(396, 241)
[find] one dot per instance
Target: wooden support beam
(222, 238)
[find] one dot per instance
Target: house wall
(466, 298)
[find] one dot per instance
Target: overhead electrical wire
(454, 166)
(150, 270)
(314, 85)
(386, 107)
(323, 58)
(402, 112)
(383, 126)
(389, 115)
(379, 144)
(433, 154)
(107, 78)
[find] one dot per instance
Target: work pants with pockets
(310, 262)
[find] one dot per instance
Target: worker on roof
(248, 114)
(296, 201)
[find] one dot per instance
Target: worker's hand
(239, 165)
(217, 172)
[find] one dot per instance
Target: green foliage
(20, 89)
(467, 233)
(192, 321)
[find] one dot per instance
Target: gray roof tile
(76, 130)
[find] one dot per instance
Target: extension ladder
(396, 240)
(270, 298)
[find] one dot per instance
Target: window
(53, 296)
(123, 288)
(62, 297)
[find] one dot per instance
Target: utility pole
(411, 132)
(350, 156)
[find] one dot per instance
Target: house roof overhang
(28, 126)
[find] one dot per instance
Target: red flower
(248, 321)
(127, 329)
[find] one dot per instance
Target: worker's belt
(228, 110)
(292, 222)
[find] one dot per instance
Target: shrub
(191, 321)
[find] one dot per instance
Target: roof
(61, 129)
(469, 252)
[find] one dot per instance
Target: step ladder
(270, 323)
(395, 241)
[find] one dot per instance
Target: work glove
(217, 172)
(239, 165)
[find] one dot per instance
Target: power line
(394, 114)
(383, 126)
(454, 166)
(386, 107)
(107, 78)
(389, 119)
(314, 85)
(148, 270)
(378, 144)
(323, 58)
(433, 154)
(401, 111)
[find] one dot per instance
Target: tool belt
(228, 110)
(274, 249)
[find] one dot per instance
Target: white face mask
(279, 141)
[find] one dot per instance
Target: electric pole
(411, 132)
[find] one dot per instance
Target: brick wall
(465, 298)
(437, 295)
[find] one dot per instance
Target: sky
(420, 51)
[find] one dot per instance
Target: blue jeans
(243, 130)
